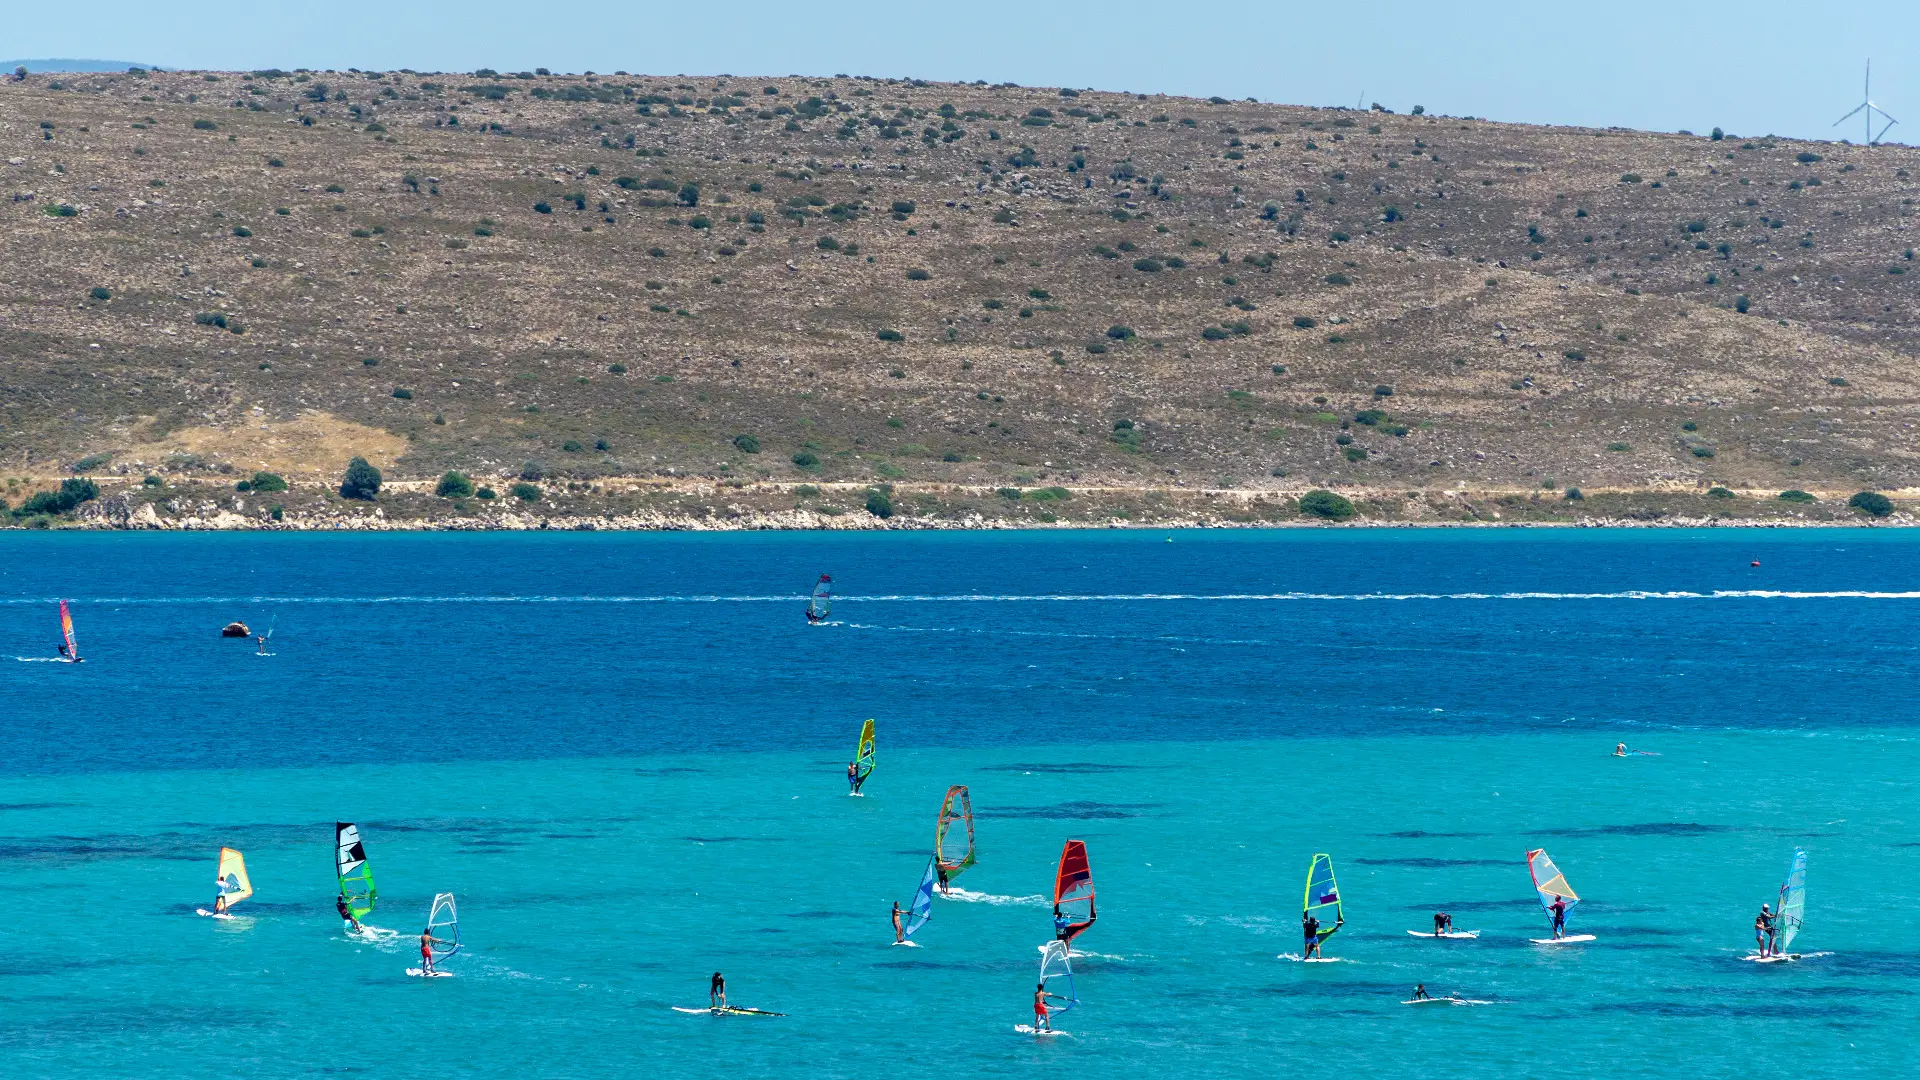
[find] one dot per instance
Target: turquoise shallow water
(629, 793)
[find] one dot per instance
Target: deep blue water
(623, 752)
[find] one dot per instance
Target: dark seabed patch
(35, 805)
(1070, 811)
(1855, 964)
(1434, 864)
(570, 836)
(1422, 834)
(1474, 905)
(1649, 828)
(1699, 1010)
(22, 965)
(720, 839)
(822, 915)
(1383, 991)
(668, 770)
(1063, 768)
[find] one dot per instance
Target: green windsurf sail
(350, 864)
(1322, 900)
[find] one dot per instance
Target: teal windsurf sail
(922, 908)
(1322, 900)
(443, 922)
(350, 865)
(1056, 976)
(1793, 900)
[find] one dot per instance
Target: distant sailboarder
(1556, 896)
(919, 913)
(231, 885)
(357, 893)
(1053, 994)
(68, 648)
(821, 604)
(861, 766)
(1072, 893)
(1322, 898)
(440, 940)
(1774, 933)
(948, 860)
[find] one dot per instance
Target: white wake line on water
(978, 598)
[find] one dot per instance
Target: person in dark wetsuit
(1763, 931)
(1559, 912)
(717, 992)
(1442, 923)
(1310, 929)
(1420, 992)
(346, 912)
(941, 872)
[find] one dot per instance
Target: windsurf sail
(443, 922)
(233, 884)
(1322, 899)
(1056, 976)
(66, 629)
(821, 605)
(350, 864)
(863, 755)
(922, 909)
(1793, 900)
(955, 809)
(1072, 893)
(1548, 881)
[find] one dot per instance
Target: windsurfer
(263, 644)
(346, 912)
(1559, 912)
(1420, 992)
(427, 942)
(1310, 929)
(220, 904)
(1763, 931)
(941, 871)
(1040, 1020)
(1442, 923)
(1619, 749)
(899, 932)
(717, 991)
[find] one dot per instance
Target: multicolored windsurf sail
(863, 755)
(955, 809)
(1072, 893)
(350, 865)
(1056, 976)
(1548, 881)
(443, 922)
(821, 604)
(1322, 898)
(232, 883)
(66, 630)
(922, 908)
(1793, 900)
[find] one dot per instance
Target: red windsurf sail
(1073, 893)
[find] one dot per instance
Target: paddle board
(1029, 1029)
(1457, 935)
(1568, 940)
(906, 944)
(727, 1011)
(1433, 1001)
(420, 973)
(212, 914)
(1782, 958)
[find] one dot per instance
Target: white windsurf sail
(1793, 900)
(1056, 976)
(443, 922)
(922, 908)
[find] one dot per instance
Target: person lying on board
(1420, 992)
(346, 912)
(427, 942)
(899, 932)
(717, 991)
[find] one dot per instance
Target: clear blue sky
(1755, 68)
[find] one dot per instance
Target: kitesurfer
(717, 991)
(1559, 912)
(346, 912)
(899, 932)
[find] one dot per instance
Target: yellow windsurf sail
(863, 756)
(1548, 881)
(233, 884)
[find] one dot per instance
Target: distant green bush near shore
(362, 481)
(1795, 495)
(1326, 505)
(524, 491)
(879, 504)
(454, 486)
(1872, 502)
(1049, 494)
(71, 494)
(268, 482)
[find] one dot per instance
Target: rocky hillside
(655, 285)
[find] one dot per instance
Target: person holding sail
(427, 942)
(1310, 929)
(899, 932)
(1558, 910)
(1763, 931)
(1041, 1016)
(346, 912)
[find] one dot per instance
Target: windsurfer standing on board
(1559, 912)
(941, 872)
(346, 912)
(1041, 1022)
(899, 932)
(717, 991)
(220, 904)
(1310, 928)
(427, 942)
(1763, 931)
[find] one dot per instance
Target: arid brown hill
(842, 279)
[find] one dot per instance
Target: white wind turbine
(1870, 109)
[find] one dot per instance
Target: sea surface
(625, 755)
